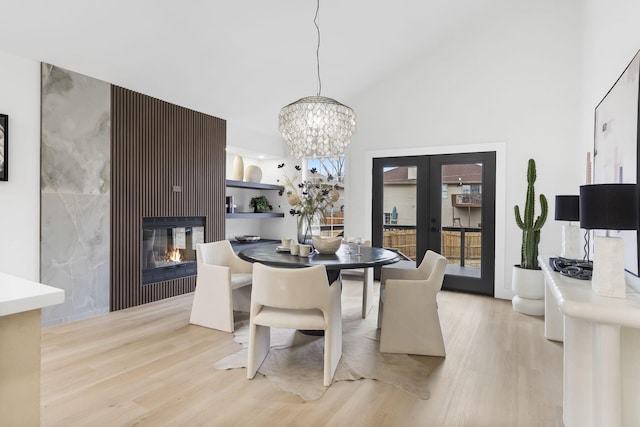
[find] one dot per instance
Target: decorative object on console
(572, 267)
(568, 209)
(609, 207)
(317, 126)
(253, 173)
(527, 280)
(4, 147)
(238, 168)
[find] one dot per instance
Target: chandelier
(317, 126)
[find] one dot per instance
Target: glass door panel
(399, 209)
(461, 217)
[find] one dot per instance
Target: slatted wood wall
(155, 146)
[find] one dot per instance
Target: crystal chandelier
(317, 126)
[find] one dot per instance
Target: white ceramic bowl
(326, 245)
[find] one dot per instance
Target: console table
(601, 363)
(20, 304)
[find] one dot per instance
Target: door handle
(435, 230)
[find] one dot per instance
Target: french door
(445, 203)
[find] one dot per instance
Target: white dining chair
(222, 286)
(408, 310)
(294, 298)
(366, 275)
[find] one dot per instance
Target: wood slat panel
(156, 145)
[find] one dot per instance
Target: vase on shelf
(238, 168)
(252, 173)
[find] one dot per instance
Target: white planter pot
(528, 285)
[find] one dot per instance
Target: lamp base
(570, 242)
(608, 268)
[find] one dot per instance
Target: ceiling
(237, 60)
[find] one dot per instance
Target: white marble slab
(75, 193)
(18, 295)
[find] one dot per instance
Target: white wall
(20, 196)
(611, 39)
(511, 76)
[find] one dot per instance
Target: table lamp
(568, 209)
(609, 207)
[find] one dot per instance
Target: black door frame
(429, 209)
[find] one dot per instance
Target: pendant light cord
(315, 21)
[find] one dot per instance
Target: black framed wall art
(616, 146)
(4, 147)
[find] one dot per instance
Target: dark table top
(370, 257)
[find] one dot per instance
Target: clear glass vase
(305, 229)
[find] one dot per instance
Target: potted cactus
(527, 280)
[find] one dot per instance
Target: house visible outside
(461, 203)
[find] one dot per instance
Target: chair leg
(333, 340)
(380, 307)
(408, 334)
(332, 351)
(367, 291)
(242, 299)
(259, 345)
(212, 307)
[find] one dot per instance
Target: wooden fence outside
(404, 240)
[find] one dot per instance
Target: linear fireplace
(169, 247)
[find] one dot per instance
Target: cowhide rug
(295, 361)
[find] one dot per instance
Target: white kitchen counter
(21, 301)
(18, 295)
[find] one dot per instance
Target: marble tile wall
(75, 193)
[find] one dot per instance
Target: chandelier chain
(315, 22)
(317, 126)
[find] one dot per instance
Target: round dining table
(345, 258)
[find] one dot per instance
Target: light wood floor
(147, 366)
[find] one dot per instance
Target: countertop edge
(18, 295)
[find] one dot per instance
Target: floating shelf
(253, 185)
(254, 215)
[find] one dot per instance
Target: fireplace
(169, 247)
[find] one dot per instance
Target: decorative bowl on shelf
(245, 239)
(326, 245)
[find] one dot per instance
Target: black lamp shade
(567, 208)
(609, 207)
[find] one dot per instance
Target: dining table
(346, 257)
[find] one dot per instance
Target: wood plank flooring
(147, 366)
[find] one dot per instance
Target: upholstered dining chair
(222, 285)
(408, 311)
(294, 298)
(366, 275)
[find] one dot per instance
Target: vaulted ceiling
(238, 60)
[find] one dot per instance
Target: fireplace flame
(174, 255)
